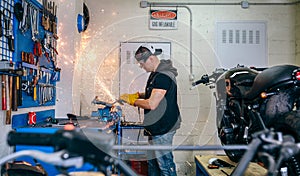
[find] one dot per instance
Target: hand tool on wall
(18, 11)
(50, 16)
(40, 94)
(25, 86)
(31, 58)
(34, 22)
(9, 33)
(46, 43)
(37, 52)
(34, 93)
(7, 92)
(53, 18)
(35, 84)
(19, 89)
(3, 90)
(8, 117)
(44, 14)
(47, 19)
(23, 56)
(14, 104)
(54, 23)
(24, 24)
(9, 102)
(1, 30)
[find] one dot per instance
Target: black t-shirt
(166, 117)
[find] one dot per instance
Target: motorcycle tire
(277, 105)
(233, 155)
(231, 129)
(289, 123)
(230, 136)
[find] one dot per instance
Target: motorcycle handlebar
(204, 79)
(97, 146)
(40, 139)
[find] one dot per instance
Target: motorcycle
(249, 100)
(72, 149)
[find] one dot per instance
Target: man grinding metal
(161, 111)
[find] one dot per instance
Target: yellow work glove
(130, 98)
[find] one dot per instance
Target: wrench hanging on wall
(24, 24)
(1, 30)
(9, 32)
(34, 21)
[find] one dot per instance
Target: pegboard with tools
(36, 51)
(28, 54)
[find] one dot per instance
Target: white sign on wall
(163, 19)
(132, 77)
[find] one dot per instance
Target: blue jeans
(160, 162)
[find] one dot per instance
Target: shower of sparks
(91, 56)
(103, 87)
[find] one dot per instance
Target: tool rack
(28, 54)
(36, 51)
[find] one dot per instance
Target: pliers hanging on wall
(1, 30)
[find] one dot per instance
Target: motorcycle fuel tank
(235, 82)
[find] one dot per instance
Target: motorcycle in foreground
(249, 100)
(73, 148)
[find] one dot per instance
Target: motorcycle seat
(270, 78)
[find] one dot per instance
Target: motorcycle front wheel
(289, 124)
(229, 139)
